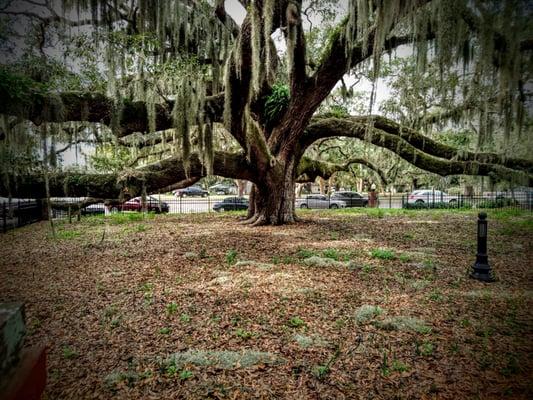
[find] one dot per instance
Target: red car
(135, 204)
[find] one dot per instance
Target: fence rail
(22, 212)
(19, 213)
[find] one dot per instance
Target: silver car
(319, 201)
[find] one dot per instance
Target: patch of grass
(296, 322)
(420, 284)
(244, 334)
(141, 228)
(465, 323)
(367, 268)
(367, 312)
(221, 359)
(117, 378)
(425, 349)
(190, 255)
(164, 331)
(67, 234)
(320, 371)
(404, 257)
(436, 295)
(231, 256)
(185, 318)
(171, 308)
(402, 323)
(69, 353)
(383, 254)
(128, 217)
(185, 374)
(306, 253)
(331, 253)
(399, 366)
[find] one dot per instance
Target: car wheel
(333, 206)
(419, 201)
(303, 205)
(453, 201)
(114, 210)
(221, 209)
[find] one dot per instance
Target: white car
(431, 197)
(319, 201)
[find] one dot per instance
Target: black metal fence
(509, 200)
(19, 213)
(22, 212)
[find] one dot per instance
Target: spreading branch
(416, 148)
(155, 177)
(309, 170)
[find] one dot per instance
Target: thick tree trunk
(272, 198)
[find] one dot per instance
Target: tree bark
(272, 198)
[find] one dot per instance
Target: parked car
(319, 201)
(519, 196)
(135, 204)
(231, 204)
(352, 199)
(191, 191)
(222, 188)
(426, 196)
(93, 209)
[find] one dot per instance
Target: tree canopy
(177, 90)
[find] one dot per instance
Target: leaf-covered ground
(361, 304)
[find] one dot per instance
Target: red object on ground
(27, 379)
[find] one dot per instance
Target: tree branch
(153, 178)
(416, 148)
(309, 169)
(96, 108)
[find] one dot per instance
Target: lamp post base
(482, 273)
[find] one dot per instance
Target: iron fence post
(4, 218)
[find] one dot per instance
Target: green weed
(383, 254)
(171, 308)
(296, 322)
(231, 256)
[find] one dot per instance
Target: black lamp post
(481, 269)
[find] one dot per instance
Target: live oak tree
(192, 93)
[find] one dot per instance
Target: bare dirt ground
(355, 305)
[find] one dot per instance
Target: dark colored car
(231, 204)
(352, 199)
(135, 204)
(191, 191)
